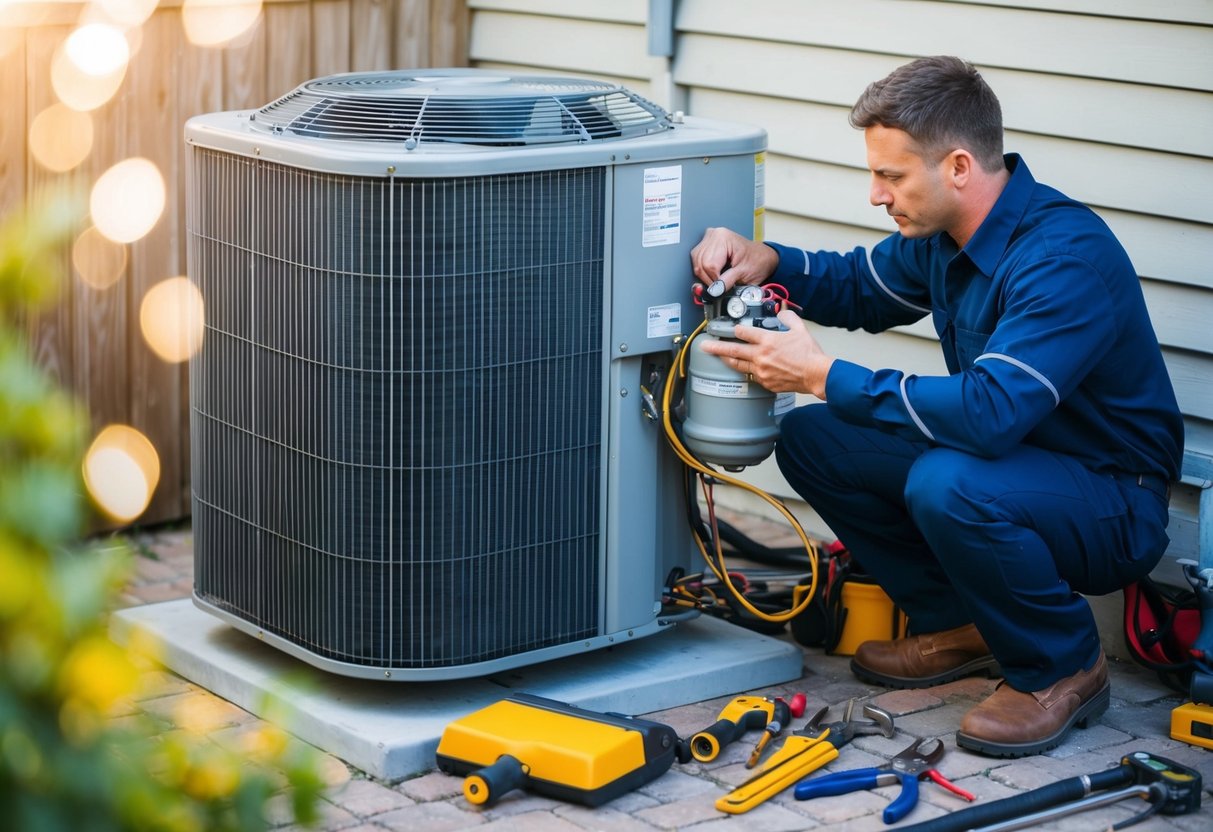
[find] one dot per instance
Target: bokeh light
(127, 12)
(89, 66)
(61, 138)
(127, 200)
(97, 49)
(99, 261)
(121, 471)
(218, 22)
(171, 319)
(10, 36)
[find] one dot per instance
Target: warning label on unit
(720, 389)
(662, 206)
(665, 321)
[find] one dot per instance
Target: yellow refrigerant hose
(801, 595)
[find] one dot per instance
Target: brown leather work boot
(1011, 723)
(924, 660)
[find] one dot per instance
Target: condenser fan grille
(396, 414)
(456, 107)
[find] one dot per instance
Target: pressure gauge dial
(751, 294)
(736, 307)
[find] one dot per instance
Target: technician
(986, 500)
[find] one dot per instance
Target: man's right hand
(723, 254)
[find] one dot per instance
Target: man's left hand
(779, 361)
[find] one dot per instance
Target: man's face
(914, 191)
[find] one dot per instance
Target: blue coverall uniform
(1037, 469)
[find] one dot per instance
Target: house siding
(1109, 101)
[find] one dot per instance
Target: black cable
(1021, 805)
(757, 552)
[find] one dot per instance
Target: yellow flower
(97, 672)
(214, 776)
(18, 583)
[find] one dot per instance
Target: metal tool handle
(1092, 802)
(1074, 788)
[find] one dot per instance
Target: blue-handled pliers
(908, 766)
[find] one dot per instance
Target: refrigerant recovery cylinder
(732, 421)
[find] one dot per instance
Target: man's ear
(958, 166)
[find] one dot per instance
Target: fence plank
(91, 340)
(50, 330)
(450, 24)
(330, 37)
(411, 34)
(154, 392)
(13, 127)
(287, 64)
(370, 35)
(244, 70)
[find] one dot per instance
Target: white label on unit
(662, 206)
(665, 320)
(783, 403)
(720, 389)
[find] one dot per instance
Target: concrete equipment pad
(390, 730)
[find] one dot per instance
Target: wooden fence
(91, 342)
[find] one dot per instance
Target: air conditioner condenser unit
(434, 302)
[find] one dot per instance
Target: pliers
(805, 751)
(909, 766)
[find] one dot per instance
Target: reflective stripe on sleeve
(1015, 362)
(887, 290)
(913, 414)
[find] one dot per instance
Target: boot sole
(1091, 709)
(987, 665)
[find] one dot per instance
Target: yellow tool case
(555, 749)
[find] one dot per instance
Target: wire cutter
(805, 751)
(909, 766)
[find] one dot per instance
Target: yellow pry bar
(798, 757)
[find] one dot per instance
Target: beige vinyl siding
(1110, 101)
(530, 37)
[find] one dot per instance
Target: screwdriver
(784, 712)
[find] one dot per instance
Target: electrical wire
(802, 595)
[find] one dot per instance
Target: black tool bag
(823, 622)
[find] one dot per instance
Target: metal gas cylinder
(731, 420)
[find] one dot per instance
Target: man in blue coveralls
(983, 501)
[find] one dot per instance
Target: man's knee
(941, 485)
(801, 431)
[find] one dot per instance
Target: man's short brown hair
(943, 103)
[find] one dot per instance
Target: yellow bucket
(869, 616)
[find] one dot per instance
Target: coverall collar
(993, 236)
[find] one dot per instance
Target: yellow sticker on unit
(760, 194)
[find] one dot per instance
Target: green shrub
(66, 761)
